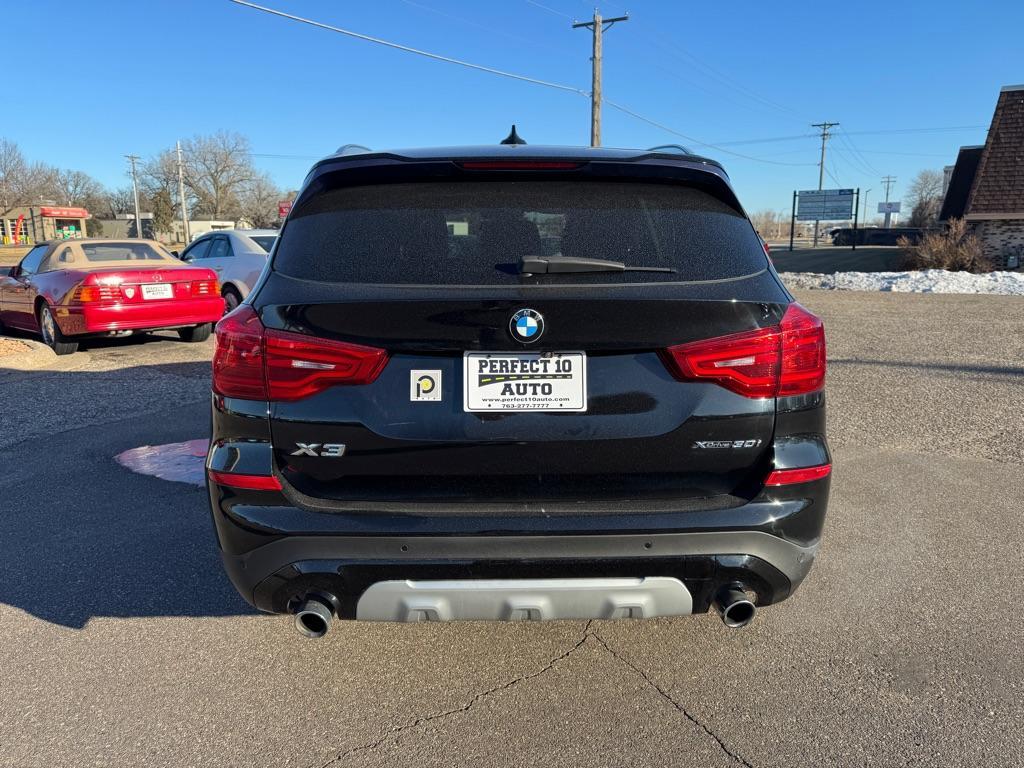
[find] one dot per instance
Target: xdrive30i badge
(727, 444)
(526, 326)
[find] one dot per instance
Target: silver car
(237, 255)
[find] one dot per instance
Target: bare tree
(258, 202)
(76, 188)
(925, 197)
(764, 223)
(120, 200)
(21, 182)
(160, 173)
(12, 174)
(217, 169)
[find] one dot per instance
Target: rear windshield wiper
(550, 265)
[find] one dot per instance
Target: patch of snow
(924, 281)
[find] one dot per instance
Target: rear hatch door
(537, 391)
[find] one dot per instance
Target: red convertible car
(76, 288)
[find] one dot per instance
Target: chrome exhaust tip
(736, 609)
(313, 617)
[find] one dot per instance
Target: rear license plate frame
(568, 386)
(156, 291)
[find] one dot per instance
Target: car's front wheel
(52, 335)
(196, 333)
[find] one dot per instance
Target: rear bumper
(276, 553)
(278, 574)
(151, 316)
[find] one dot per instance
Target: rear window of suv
(476, 232)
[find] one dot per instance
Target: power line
(550, 10)
(945, 129)
(905, 154)
(469, 22)
(503, 73)
(691, 139)
(408, 49)
(684, 55)
(863, 161)
(768, 141)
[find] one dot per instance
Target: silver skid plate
(524, 599)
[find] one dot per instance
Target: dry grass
(11, 347)
(955, 249)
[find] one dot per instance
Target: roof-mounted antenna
(513, 137)
(352, 149)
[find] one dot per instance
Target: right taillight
(256, 363)
(803, 352)
(781, 360)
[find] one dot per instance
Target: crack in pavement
(679, 707)
(587, 633)
(394, 731)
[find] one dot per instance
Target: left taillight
(238, 357)
(256, 363)
(96, 294)
(778, 361)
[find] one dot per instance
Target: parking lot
(125, 642)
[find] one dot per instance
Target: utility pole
(597, 26)
(135, 190)
(825, 135)
(864, 218)
(181, 198)
(888, 181)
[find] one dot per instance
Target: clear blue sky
(134, 76)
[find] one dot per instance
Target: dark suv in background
(516, 382)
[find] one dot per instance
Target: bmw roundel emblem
(526, 325)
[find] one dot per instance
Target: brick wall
(1001, 239)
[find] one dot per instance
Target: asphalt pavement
(124, 644)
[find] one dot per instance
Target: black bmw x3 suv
(517, 382)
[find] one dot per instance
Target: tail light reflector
(784, 359)
(92, 294)
(205, 288)
(255, 363)
(800, 475)
(248, 482)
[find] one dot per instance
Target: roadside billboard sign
(893, 207)
(824, 205)
(284, 207)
